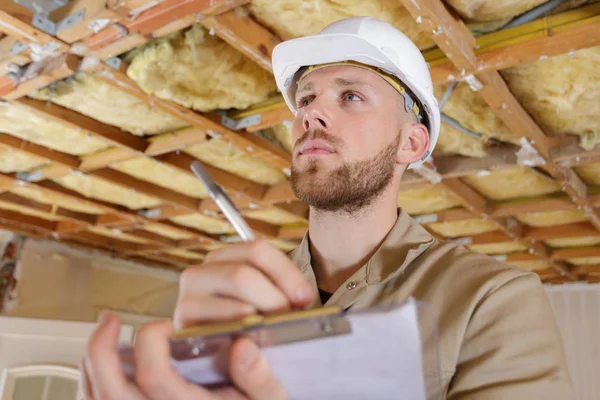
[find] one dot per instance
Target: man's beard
(349, 188)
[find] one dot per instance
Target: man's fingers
(193, 310)
(234, 280)
(273, 263)
(155, 375)
(103, 364)
(251, 374)
(84, 381)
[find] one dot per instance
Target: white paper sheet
(380, 359)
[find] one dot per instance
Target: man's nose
(315, 118)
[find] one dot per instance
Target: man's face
(346, 137)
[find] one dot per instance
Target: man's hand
(240, 280)
(231, 283)
(156, 379)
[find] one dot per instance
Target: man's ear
(414, 142)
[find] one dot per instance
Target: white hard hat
(366, 41)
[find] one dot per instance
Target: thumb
(251, 373)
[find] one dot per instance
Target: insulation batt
(542, 219)
(102, 101)
(99, 189)
(163, 175)
(574, 242)
(232, 159)
(204, 223)
(199, 71)
(426, 200)
(58, 200)
(512, 182)
(17, 121)
(471, 111)
(561, 93)
(467, 227)
(498, 248)
(14, 161)
(292, 18)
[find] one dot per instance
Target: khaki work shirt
(498, 338)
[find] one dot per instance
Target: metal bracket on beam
(113, 62)
(151, 213)
(29, 176)
(237, 124)
(52, 28)
(44, 7)
(17, 48)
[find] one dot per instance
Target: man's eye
(303, 102)
(351, 97)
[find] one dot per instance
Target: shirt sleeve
(512, 347)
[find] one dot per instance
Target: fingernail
(248, 355)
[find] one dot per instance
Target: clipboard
(383, 352)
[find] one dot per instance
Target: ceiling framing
(459, 56)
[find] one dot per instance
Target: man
(365, 112)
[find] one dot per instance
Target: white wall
(59, 282)
(577, 310)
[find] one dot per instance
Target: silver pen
(223, 201)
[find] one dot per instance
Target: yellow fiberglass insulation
(167, 231)
(292, 18)
(281, 134)
(497, 248)
(471, 111)
(536, 265)
(466, 227)
(542, 219)
(163, 175)
(117, 234)
(19, 122)
(584, 261)
(425, 200)
(204, 223)
(99, 189)
(574, 242)
(192, 256)
(14, 161)
(55, 199)
(104, 102)
(199, 71)
(232, 159)
(589, 173)
(511, 183)
(4, 205)
(561, 93)
(489, 10)
(274, 216)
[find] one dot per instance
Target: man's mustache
(331, 140)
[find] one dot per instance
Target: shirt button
(351, 285)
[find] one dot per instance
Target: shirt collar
(405, 242)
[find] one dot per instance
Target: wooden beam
(546, 37)
(497, 95)
(18, 28)
(175, 141)
(468, 197)
(245, 35)
(157, 17)
(38, 75)
(272, 117)
(449, 32)
(579, 252)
